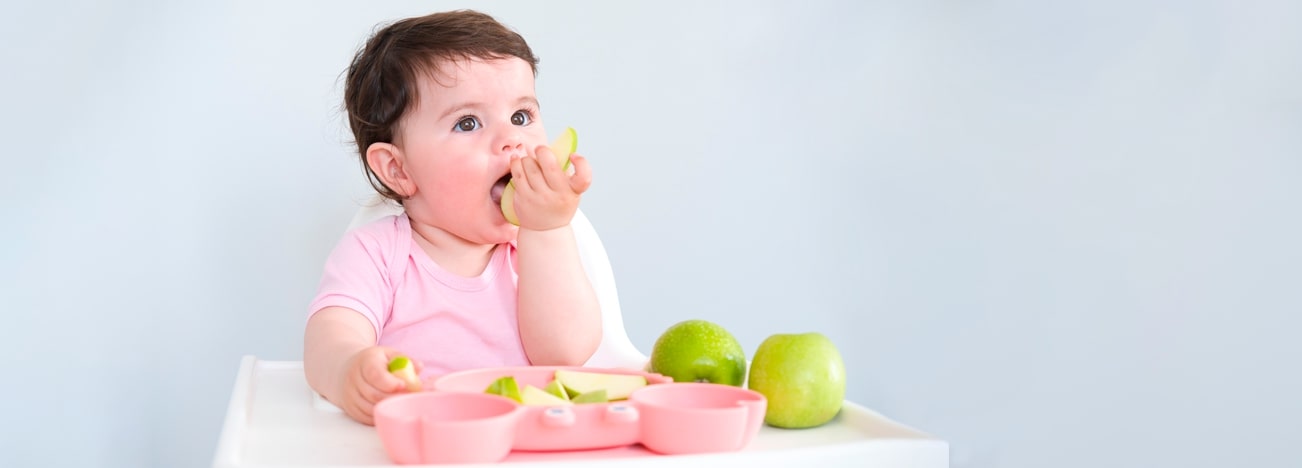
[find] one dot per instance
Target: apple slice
(534, 396)
(402, 367)
(617, 386)
(563, 147)
(505, 386)
(554, 387)
(595, 396)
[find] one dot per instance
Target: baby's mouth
(496, 192)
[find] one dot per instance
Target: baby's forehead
(446, 81)
(448, 71)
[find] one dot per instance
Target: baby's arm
(344, 365)
(560, 319)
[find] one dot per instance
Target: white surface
(1054, 233)
(270, 421)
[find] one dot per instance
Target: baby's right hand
(367, 381)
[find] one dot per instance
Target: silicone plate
(577, 427)
(456, 422)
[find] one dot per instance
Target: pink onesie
(446, 321)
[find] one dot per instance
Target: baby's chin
(504, 233)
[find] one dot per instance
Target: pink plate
(698, 417)
(443, 427)
(456, 422)
(574, 427)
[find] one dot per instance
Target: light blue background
(1052, 233)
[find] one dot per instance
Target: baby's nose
(513, 148)
(511, 144)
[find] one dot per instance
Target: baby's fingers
(382, 380)
(552, 172)
(519, 176)
(362, 408)
(582, 178)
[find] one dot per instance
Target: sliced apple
(563, 147)
(508, 204)
(617, 386)
(405, 369)
(534, 396)
(505, 386)
(595, 396)
(554, 387)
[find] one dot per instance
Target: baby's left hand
(545, 196)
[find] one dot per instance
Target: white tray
(271, 421)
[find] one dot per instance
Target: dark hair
(381, 84)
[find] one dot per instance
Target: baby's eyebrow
(527, 101)
(459, 108)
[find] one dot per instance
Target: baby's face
(458, 143)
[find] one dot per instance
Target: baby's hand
(366, 381)
(545, 196)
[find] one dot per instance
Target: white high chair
(615, 350)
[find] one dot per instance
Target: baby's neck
(454, 254)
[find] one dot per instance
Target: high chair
(615, 350)
(267, 422)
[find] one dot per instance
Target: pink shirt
(448, 322)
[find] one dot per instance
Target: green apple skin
(403, 368)
(699, 351)
(803, 378)
(505, 386)
(595, 396)
(617, 386)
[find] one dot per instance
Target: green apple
(594, 396)
(505, 386)
(535, 396)
(699, 351)
(403, 367)
(563, 147)
(803, 378)
(616, 386)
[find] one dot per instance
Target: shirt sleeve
(357, 276)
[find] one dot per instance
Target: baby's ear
(386, 162)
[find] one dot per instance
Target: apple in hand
(803, 378)
(405, 369)
(699, 351)
(563, 147)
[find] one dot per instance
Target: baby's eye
(521, 118)
(466, 124)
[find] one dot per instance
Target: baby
(444, 113)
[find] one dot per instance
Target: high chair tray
(271, 422)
